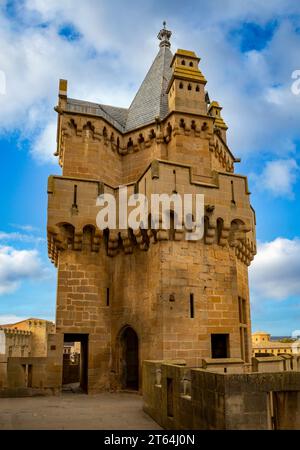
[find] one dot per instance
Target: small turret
(186, 87)
(214, 110)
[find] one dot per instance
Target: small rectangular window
(192, 311)
(75, 196)
(107, 297)
(220, 346)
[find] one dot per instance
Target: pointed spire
(164, 36)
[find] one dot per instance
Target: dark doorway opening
(75, 363)
(220, 346)
(130, 359)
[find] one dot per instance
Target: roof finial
(164, 36)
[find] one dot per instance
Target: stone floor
(71, 411)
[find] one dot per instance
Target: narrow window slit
(192, 309)
(75, 196)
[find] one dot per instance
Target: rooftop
(271, 344)
(31, 319)
(151, 100)
(261, 332)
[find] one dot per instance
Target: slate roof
(115, 116)
(150, 101)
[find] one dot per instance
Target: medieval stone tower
(127, 295)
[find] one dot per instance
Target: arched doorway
(129, 359)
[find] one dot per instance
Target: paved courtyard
(75, 411)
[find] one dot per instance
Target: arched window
(141, 138)
(88, 126)
(183, 62)
(73, 126)
(129, 358)
(191, 64)
(87, 237)
(189, 87)
(68, 232)
(152, 134)
(197, 88)
(180, 85)
(89, 129)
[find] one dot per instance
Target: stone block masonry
(131, 295)
(177, 397)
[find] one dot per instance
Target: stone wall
(15, 342)
(181, 398)
(152, 277)
(276, 363)
(82, 309)
(181, 299)
(27, 376)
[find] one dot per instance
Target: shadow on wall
(177, 397)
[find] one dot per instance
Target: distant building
(71, 348)
(22, 344)
(263, 346)
(28, 337)
(15, 343)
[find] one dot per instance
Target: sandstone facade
(178, 397)
(132, 295)
(30, 358)
(263, 346)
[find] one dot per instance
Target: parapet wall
(29, 376)
(178, 397)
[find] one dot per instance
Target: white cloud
(17, 266)
(7, 319)
(44, 146)
(16, 236)
(278, 177)
(27, 228)
(113, 54)
(275, 271)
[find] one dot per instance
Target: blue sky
(248, 51)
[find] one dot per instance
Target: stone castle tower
(130, 296)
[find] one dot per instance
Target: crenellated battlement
(79, 212)
(99, 139)
(148, 286)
